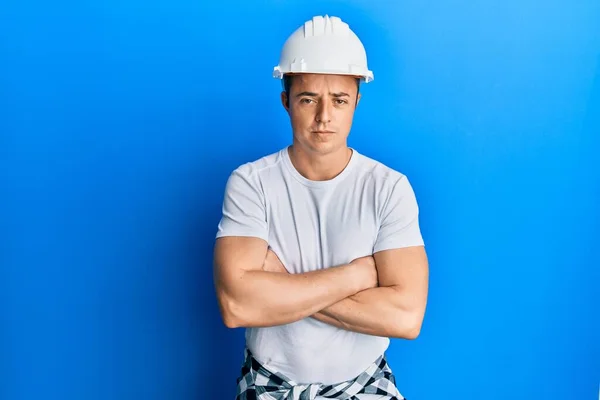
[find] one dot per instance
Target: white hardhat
(324, 45)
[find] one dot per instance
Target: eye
(306, 101)
(341, 101)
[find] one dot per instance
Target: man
(319, 253)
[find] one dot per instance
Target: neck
(319, 167)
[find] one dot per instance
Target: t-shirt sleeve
(399, 219)
(243, 212)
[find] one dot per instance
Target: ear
(358, 99)
(284, 101)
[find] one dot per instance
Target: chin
(325, 147)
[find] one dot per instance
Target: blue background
(121, 120)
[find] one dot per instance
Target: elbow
(231, 313)
(229, 320)
(408, 326)
(412, 332)
(239, 312)
(414, 327)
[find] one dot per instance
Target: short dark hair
(287, 84)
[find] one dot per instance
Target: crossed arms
(384, 295)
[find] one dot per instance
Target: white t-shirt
(313, 225)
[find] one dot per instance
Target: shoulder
(381, 174)
(395, 200)
(391, 188)
(252, 169)
(250, 176)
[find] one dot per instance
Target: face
(321, 109)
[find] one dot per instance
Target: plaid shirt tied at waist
(258, 383)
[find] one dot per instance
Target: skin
(393, 309)
(383, 295)
(321, 110)
(251, 294)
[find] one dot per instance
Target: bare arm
(249, 295)
(394, 309)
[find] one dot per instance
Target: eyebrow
(312, 94)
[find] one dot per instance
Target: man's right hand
(366, 272)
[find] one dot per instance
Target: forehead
(318, 82)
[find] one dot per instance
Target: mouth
(323, 132)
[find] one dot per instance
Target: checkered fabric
(258, 383)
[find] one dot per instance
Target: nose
(323, 113)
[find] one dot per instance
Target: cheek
(345, 118)
(301, 119)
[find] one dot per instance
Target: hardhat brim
(367, 77)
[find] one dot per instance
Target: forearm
(263, 298)
(381, 311)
